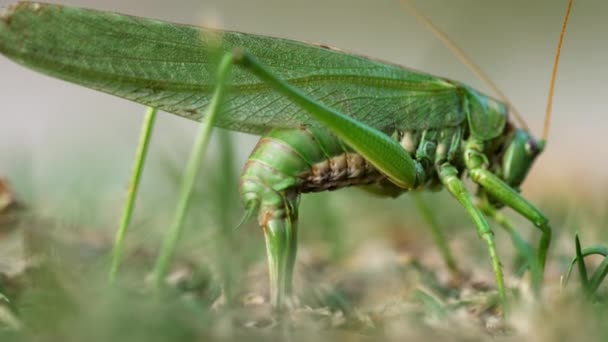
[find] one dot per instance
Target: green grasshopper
(328, 119)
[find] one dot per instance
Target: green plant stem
(582, 269)
(225, 198)
(136, 172)
(198, 153)
(438, 235)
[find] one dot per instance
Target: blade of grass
(598, 276)
(438, 235)
(590, 285)
(226, 199)
(580, 260)
(529, 255)
(5, 300)
(431, 302)
(138, 166)
(198, 153)
(593, 250)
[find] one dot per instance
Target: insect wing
(171, 67)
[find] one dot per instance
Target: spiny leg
(476, 163)
(507, 195)
(449, 177)
(526, 254)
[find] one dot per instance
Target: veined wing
(171, 67)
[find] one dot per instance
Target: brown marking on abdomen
(347, 169)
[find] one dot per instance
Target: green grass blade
(438, 235)
(5, 300)
(527, 252)
(590, 285)
(580, 261)
(138, 166)
(175, 231)
(593, 250)
(431, 302)
(598, 276)
(225, 198)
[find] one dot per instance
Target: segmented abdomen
(288, 162)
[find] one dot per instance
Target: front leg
(476, 163)
(449, 177)
(527, 255)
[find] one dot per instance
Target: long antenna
(463, 58)
(554, 74)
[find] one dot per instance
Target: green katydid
(329, 119)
